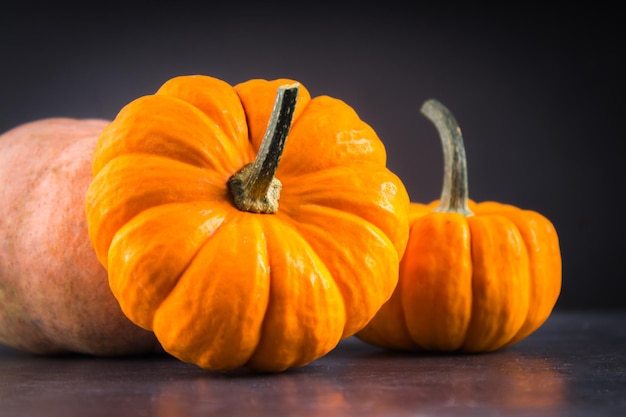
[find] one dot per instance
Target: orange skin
(474, 284)
(222, 287)
(475, 277)
(54, 294)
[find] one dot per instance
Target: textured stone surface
(575, 365)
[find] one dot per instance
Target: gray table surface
(575, 365)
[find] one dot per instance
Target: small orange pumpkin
(475, 277)
(184, 213)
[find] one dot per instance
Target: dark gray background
(537, 91)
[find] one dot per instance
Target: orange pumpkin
(184, 213)
(475, 277)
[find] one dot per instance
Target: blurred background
(538, 91)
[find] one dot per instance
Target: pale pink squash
(54, 294)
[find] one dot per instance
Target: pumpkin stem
(254, 187)
(454, 194)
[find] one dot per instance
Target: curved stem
(454, 194)
(254, 187)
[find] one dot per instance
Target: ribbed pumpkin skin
(471, 283)
(54, 294)
(475, 277)
(224, 288)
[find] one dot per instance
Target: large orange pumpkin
(475, 277)
(231, 258)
